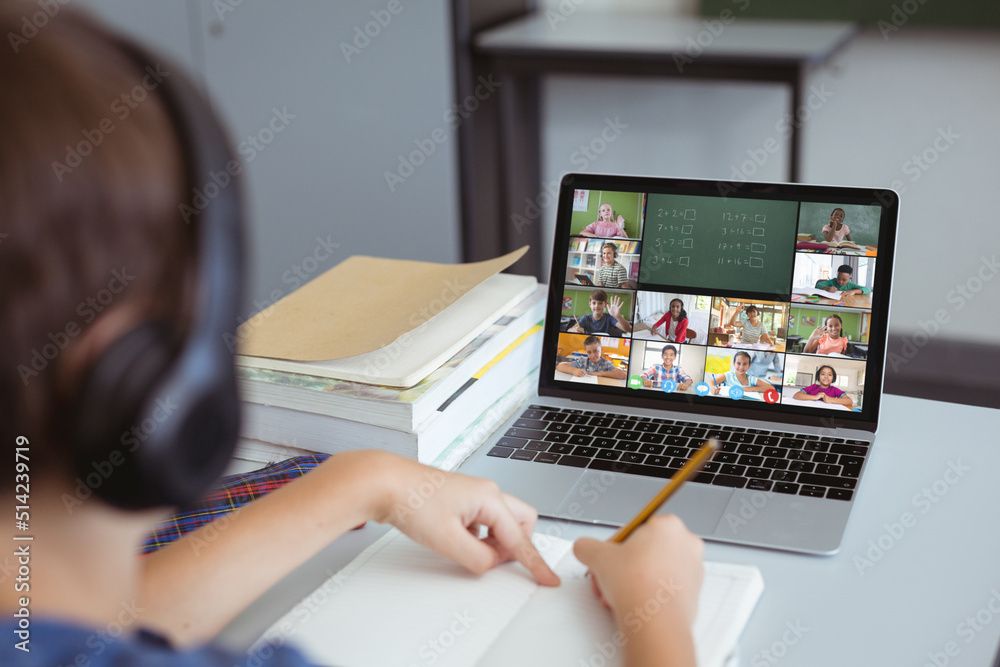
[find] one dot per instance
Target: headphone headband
(175, 406)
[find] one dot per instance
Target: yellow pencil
(687, 471)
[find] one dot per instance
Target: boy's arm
(193, 587)
(615, 372)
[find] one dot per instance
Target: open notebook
(399, 603)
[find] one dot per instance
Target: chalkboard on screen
(745, 245)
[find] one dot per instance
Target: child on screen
(828, 338)
(605, 227)
(824, 390)
(676, 321)
(739, 377)
(599, 321)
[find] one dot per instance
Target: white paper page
(569, 626)
(401, 604)
(566, 377)
(818, 292)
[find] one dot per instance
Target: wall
(318, 123)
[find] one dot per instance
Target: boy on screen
(593, 364)
(842, 283)
(599, 321)
(655, 376)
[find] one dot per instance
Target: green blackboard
(626, 204)
(744, 245)
(863, 221)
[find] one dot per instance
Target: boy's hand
(830, 288)
(578, 372)
(615, 307)
(444, 511)
(661, 560)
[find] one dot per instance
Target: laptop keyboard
(750, 458)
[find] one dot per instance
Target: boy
(655, 376)
(599, 321)
(63, 236)
(593, 363)
(611, 273)
(842, 283)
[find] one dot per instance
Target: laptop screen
(749, 299)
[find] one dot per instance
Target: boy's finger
(587, 550)
(508, 533)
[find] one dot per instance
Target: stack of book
(294, 407)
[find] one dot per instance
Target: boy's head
(751, 311)
(844, 274)
(609, 253)
(669, 353)
(97, 256)
(598, 302)
(592, 344)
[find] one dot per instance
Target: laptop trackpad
(615, 499)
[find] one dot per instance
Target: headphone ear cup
(110, 425)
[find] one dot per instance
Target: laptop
(720, 337)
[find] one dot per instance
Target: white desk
(909, 602)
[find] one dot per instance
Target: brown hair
(599, 295)
(90, 180)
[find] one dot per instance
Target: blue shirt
(59, 643)
(606, 325)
